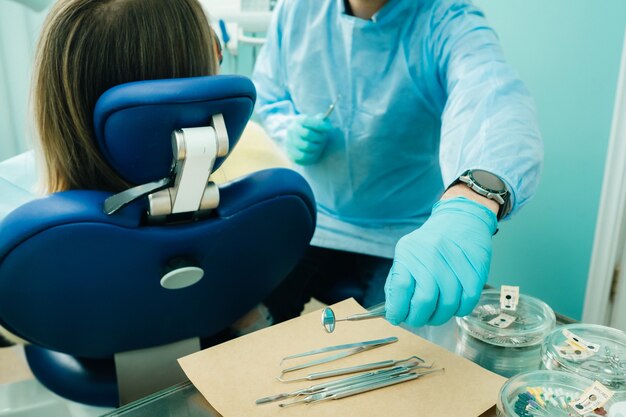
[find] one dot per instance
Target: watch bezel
(501, 191)
(502, 197)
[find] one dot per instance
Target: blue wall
(568, 53)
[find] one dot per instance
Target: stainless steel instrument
(365, 385)
(356, 348)
(331, 108)
(354, 369)
(329, 320)
(344, 382)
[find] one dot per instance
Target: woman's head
(89, 46)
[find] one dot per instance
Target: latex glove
(440, 269)
(306, 138)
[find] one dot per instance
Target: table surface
(184, 400)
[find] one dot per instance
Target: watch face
(488, 181)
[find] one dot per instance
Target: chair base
(110, 382)
(88, 381)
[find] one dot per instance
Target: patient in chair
(89, 46)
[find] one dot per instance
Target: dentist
(433, 141)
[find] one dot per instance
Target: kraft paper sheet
(231, 376)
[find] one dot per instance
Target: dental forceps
(359, 388)
(325, 386)
(354, 369)
(356, 348)
(329, 319)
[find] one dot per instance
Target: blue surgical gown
(424, 94)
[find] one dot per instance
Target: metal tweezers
(354, 349)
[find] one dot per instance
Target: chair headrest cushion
(134, 122)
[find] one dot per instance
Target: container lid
(593, 351)
(531, 321)
(554, 394)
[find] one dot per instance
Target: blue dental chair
(92, 279)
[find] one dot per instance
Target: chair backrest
(76, 280)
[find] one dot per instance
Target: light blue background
(568, 53)
(19, 28)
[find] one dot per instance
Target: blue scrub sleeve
(489, 120)
(274, 106)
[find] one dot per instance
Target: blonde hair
(89, 46)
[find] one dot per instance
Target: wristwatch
(488, 185)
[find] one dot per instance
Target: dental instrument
(338, 383)
(331, 108)
(361, 348)
(353, 369)
(340, 347)
(359, 388)
(329, 320)
(354, 389)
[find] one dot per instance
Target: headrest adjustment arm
(195, 151)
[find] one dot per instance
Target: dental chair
(111, 289)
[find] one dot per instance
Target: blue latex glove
(306, 138)
(440, 269)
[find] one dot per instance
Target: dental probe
(331, 108)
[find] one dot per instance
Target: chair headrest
(134, 122)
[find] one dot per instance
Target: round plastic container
(602, 359)
(549, 393)
(505, 350)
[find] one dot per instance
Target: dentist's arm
(462, 190)
(274, 107)
(488, 123)
(302, 136)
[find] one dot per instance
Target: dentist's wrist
(462, 190)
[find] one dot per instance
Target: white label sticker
(572, 352)
(580, 343)
(509, 297)
(594, 397)
(502, 321)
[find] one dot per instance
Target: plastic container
(510, 350)
(604, 359)
(549, 393)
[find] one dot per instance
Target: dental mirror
(329, 320)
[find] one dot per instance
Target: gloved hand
(306, 138)
(440, 269)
